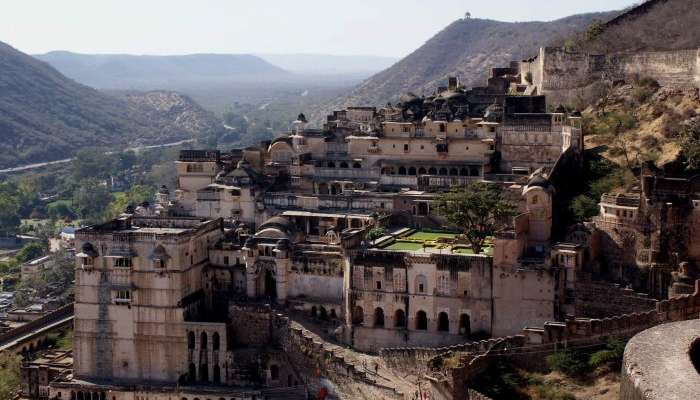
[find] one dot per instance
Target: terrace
(429, 242)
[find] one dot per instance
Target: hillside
(653, 25)
(45, 116)
(328, 64)
(467, 48)
(122, 71)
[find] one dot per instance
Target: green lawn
(404, 246)
(430, 236)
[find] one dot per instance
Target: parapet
(659, 363)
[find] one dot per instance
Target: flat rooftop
(150, 225)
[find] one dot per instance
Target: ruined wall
(251, 325)
(563, 75)
(603, 299)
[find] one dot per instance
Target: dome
(538, 181)
(301, 118)
(275, 227)
(453, 96)
(163, 190)
(575, 114)
(282, 244)
(560, 109)
(249, 243)
(494, 113)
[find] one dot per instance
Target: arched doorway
(399, 319)
(464, 325)
(270, 285)
(379, 317)
(443, 322)
(421, 321)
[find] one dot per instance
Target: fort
(318, 260)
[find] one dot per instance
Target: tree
(90, 199)
(9, 214)
(480, 210)
(690, 145)
(584, 208)
(9, 375)
(30, 251)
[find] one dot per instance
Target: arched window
(331, 164)
(443, 171)
(358, 315)
(215, 341)
(412, 171)
(454, 172)
(464, 172)
(421, 284)
(323, 313)
(402, 170)
(192, 373)
(443, 322)
(274, 372)
(217, 374)
(343, 165)
(421, 321)
(474, 171)
(203, 341)
(357, 165)
(378, 317)
(314, 312)
(421, 171)
(400, 319)
(432, 171)
(464, 325)
(203, 372)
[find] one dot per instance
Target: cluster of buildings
(159, 291)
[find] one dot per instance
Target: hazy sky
(368, 27)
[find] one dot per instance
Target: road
(65, 160)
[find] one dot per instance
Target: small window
(422, 147)
(123, 262)
(405, 147)
(379, 285)
(158, 263)
(421, 288)
(225, 260)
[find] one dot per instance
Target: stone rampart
(564, 70)
(602, 299)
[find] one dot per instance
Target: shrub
(376, 233)
(568, 362)
(610, 356)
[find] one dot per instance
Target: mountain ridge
(466, 48)
(45, 116)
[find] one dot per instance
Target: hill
(45, 116)
(123, 71)
(653, 25)
(328, 64)
(467, 48)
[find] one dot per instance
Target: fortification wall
(603, 299)
(564, 75)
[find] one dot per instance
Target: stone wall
(560, 74)
(603, 299)
(449, 380)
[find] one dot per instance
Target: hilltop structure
(196, 296)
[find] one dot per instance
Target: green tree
(480, 209)
(9, 375)
(137, 194)
(690, 145)
(90, 200)
(30, 251)
(584, 208)
(9, 214)
(91, 163)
